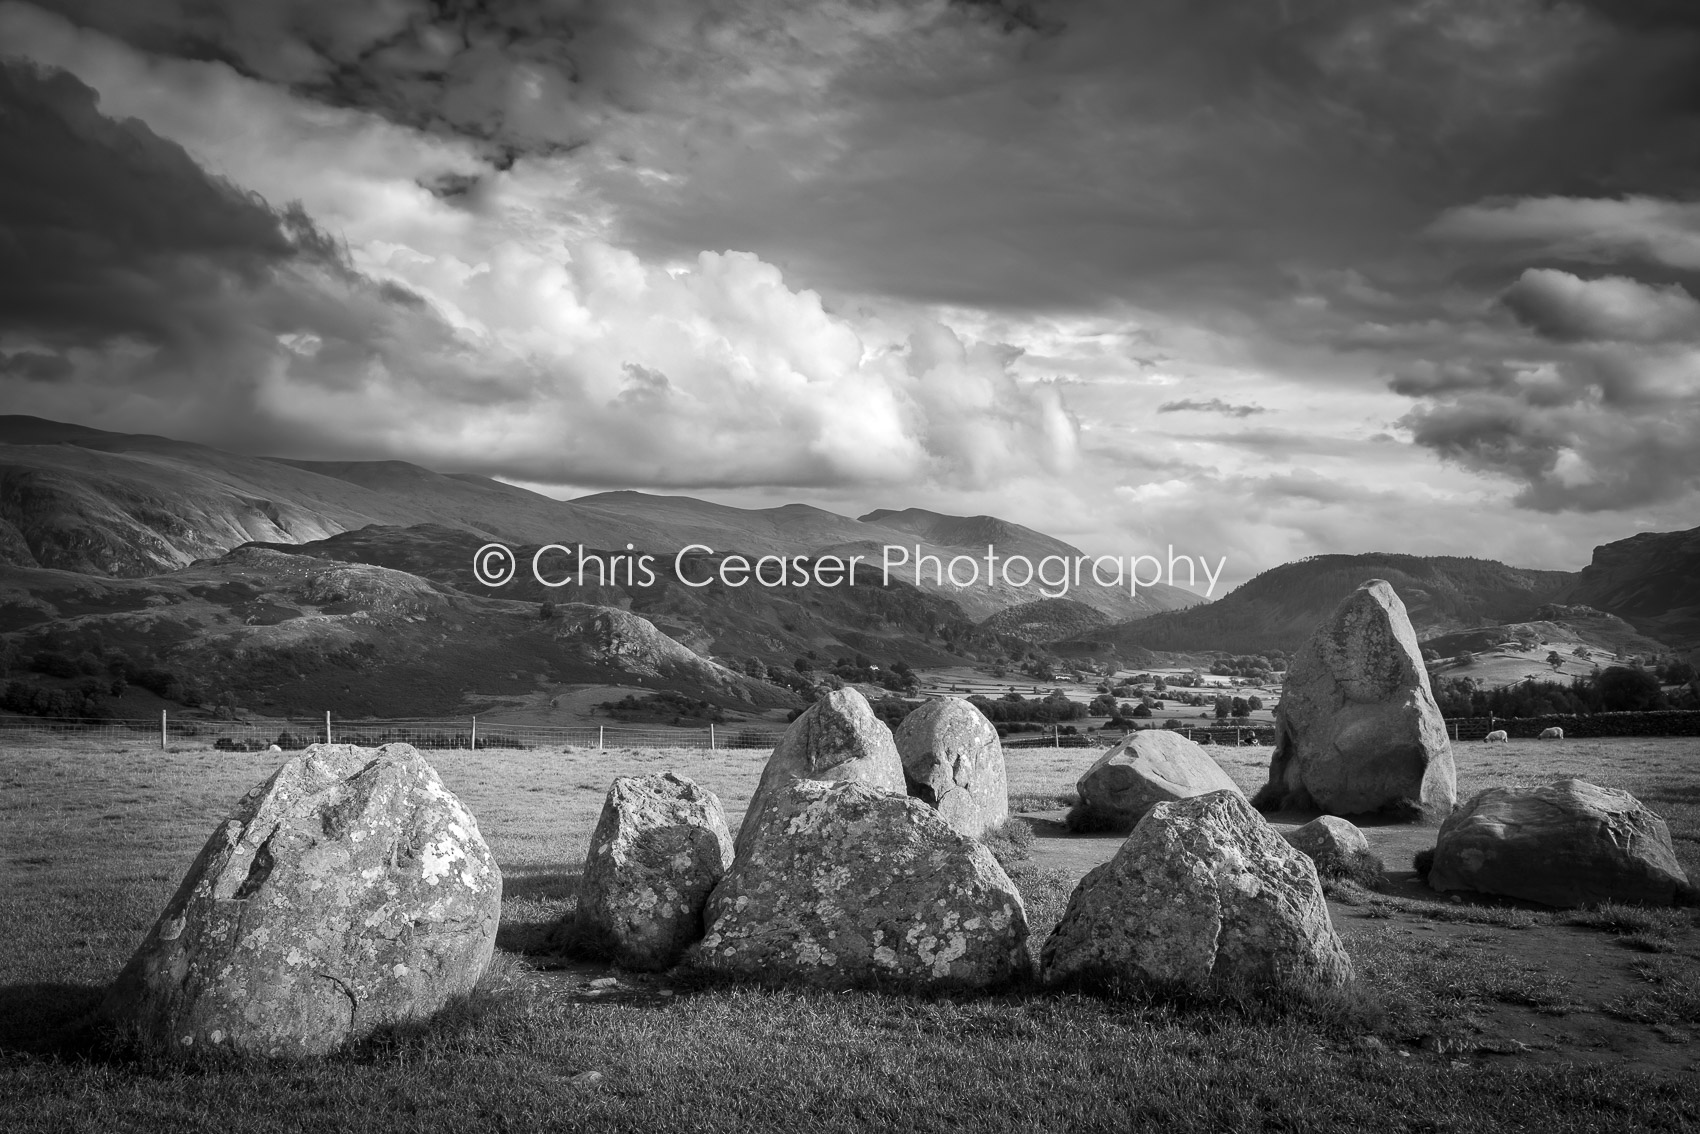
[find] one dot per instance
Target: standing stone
(837, 739)
(658, 850)
(1357, 729)
(1202, 894)
(953, 761)
(1566, 844)
(1147, 767)
(842, 884)
(348, 892)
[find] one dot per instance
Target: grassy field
(93, 841)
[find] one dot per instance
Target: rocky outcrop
(837, 739)
(660, 847)
(953, 761)
(1203, 894)
(1566, 844)
(1148, 767)
(1357, 730)
(841, 884)
(348, 892)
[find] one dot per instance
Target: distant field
(94, 840)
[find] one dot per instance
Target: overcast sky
(1259, 279)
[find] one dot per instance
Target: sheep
(1553, 733)
(1498, 734)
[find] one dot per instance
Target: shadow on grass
(49, 1018)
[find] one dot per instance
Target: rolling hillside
(1278, 609)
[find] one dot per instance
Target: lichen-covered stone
(1329, 837)
(1202, 894)
(659, 848)
(842, 884)
(1147, 767)
(953, 760)
(1566, 844)
(1357, 730)
(837, 739)
(350, 891)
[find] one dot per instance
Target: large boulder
(1566, 844)
(348, 892)
(842, 884)
(1147, 767)
(1357, 729)
(837, 739)
(1203, 894)
(953, 761)
(659, 848)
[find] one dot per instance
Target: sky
(1254, 279)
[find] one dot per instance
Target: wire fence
(294, 734)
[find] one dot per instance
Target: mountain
(1651, 580)
(101, 503)
(1278, 609)
(776, 624)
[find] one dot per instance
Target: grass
(93, 842)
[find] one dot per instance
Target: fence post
(474, 734)
(163, 744)
(599, 738)
(711, 736)
(327, 726)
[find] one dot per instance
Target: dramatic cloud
(572, 365)
(1570, 309)
(976, 256)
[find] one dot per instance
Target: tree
(1241, 707)
(1141, 711)
(1431, 655)
(803, 665)
(1556, 660)
(1582, 652)
(546, 610)
(1256, 703)
(1224, 706)
(1622, 689)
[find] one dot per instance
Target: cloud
(1568, 308)
(176, 302)
(1637, 226)
(1214, 405)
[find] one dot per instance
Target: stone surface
(349, 891)
(1148, 767)
(837, 739)
(659, 848)
(1330, 842)
(842, 884)
(1357, 730)
(1202, 894)
(1566, 844)
(953, 761)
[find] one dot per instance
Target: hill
(1046, 620)
(1651, 580)
(776, 624)
(1278, 609)
(291, 634)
